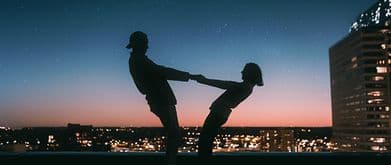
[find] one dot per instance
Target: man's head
(138, 41)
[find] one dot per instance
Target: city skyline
(86, 138)
(66, 62)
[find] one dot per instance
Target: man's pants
(168, 117)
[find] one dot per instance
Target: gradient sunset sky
(65, 61)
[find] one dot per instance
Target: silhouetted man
(151, 81)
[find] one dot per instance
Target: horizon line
(64, 126)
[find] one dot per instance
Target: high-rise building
(360, 70)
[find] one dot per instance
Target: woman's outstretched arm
(215, 83)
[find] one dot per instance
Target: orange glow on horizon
(264, 108)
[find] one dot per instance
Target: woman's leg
(209, 131)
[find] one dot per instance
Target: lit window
(383, 46)
(378, 78)
(381, 69)
(378, 140)
(381, 62)
(375, 93)
(375, 148)
(375, 101)
(354, 59)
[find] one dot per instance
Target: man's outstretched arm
(170, 73)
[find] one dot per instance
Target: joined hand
(197, 77)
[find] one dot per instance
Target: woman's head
(252, 73)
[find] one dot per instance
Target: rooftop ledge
(191, 158)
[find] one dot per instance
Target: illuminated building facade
(378, 14)
(278, 140)
(360, 83)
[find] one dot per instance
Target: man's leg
(169, 119)
(173, 135)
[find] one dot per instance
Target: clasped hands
(197, 77)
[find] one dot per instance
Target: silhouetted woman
(221, 108)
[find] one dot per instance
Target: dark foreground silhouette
(191, 159)
(151, 81)
(222, 107)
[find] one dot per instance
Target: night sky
(65, 61)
